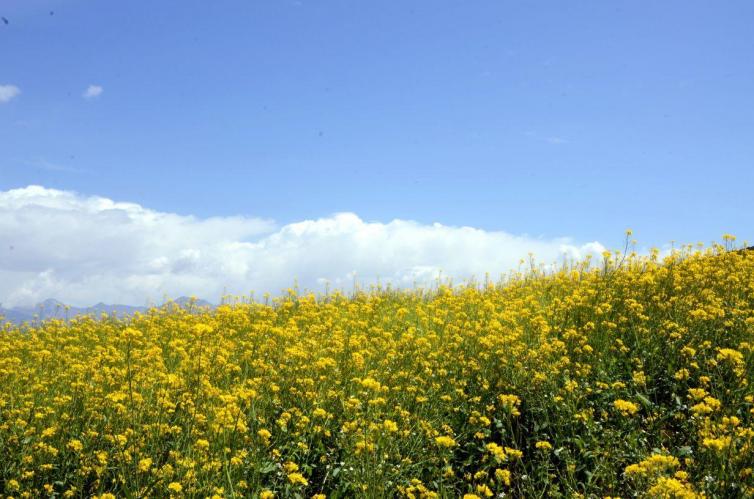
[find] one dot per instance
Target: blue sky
(575, 119)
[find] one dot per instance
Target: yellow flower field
(621, 378)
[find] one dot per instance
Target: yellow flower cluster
(625, 407)
(630, 376)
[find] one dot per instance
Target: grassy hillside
(629, 377)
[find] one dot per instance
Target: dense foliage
(630, 377)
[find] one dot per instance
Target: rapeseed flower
(445, 441)
(391, 393)
(625, 407)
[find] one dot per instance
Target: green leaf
(268, 468)
(644, 400)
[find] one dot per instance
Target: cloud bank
(8, 92)
(83, 250)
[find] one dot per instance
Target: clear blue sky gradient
(546, 118)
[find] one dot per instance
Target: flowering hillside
(623, 378)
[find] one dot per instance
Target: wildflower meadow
(628, 376)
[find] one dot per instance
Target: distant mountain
(185, 301)
(54, 309)
(119, 310)
(47, 309)
(14, 316)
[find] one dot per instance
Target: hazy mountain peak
(52, 308)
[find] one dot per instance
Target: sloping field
(612, 380)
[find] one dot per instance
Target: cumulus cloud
(8, 92)
(92, 91)
(83, 250)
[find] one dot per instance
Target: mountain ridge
(55, 309)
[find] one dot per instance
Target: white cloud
(552, 139)
(8, 92)
(92, 91)
(557, 140)
(83, 250)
